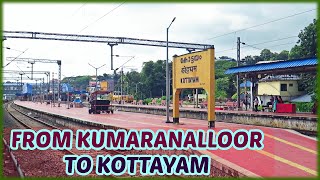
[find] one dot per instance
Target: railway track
(28, 122)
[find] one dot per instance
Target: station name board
(193, 70)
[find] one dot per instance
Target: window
(290, 85)
(283, 87)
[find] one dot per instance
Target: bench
(267, 108)
(153, 102)
(204, 104)
(140, 102)
(230, 105)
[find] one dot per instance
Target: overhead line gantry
(111, 41)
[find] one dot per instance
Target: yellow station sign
(191, 71)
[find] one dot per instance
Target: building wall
(269, 88)
(274, 88)
(291, 90)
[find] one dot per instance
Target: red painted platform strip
(285, 153)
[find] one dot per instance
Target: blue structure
(294, 65)
(27, 89)
(66, 87)
(247, 84)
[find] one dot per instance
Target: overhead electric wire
(101, 17)
(79, 9)
(253, 46)
(268, 47)
(275, 40)
(260, 43)
(126, 62)
(263, 23)
(14, 58)
(276, 45)
(23, 72)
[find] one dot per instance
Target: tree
(224, 57)
(295, 52)
(306, 47)
(275, 56)
(307, 40)
(225, 86)
(283, 55)
(266, 54)
(249, 60)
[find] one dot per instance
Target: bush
(303, 106)
(147, 101)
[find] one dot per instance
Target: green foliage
(234, 97)
(220, 94)
(147, 100)
(79, 82)
(303, 106)
(306, 47)
(284, 55)
(266, 54)
(225, 85)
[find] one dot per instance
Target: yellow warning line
(293, 164)
(283, 141)
(292, 144)
(273, 156)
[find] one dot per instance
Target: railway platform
(286, 153)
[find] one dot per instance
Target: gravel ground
(9, 169)
(38, 163)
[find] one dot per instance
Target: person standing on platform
(110, 97)
(275, 102)
(280, 100)
(256, 102)
(314, 108)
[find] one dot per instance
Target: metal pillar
(36, 87)
(53, 94)
(197, 100)
(168, 76)
(31, 70)
(96, 88)
(245, 93)
(238, 75)
(21, 81)
(111, 46)
(59, 80)
(121, 85)
(251, 96)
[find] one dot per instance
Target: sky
(194, 23)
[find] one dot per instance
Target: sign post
(191, 71)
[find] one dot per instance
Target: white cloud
(195, 22)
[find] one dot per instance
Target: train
(117, 97)
(107, 86)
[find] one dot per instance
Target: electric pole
(238, 75)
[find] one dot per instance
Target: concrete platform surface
(285, 154)
(301, 115)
